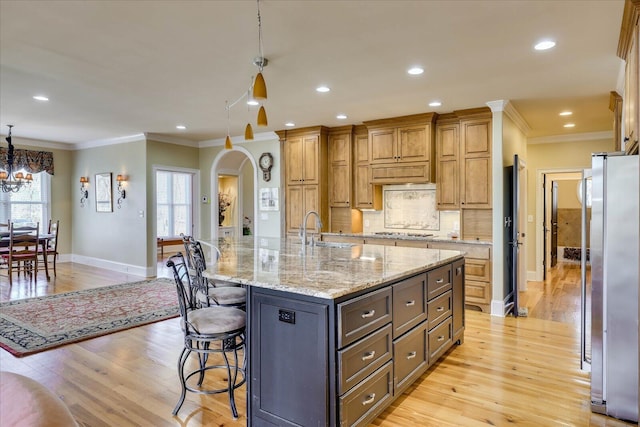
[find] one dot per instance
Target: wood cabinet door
(475, 138)
(311, 156)
(311, 198)
(631, 97)
(382, 145)
(475, 188)
(340, 170)
(294, 207)
(294, 158)
(447, 185)
(340, 185)
(363, 190)
(361, 149)
(414, 143)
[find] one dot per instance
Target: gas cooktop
(398, 233)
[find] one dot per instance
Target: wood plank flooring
(509, 371)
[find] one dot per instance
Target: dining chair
(52, 245)
(210, 334)
(24, 250)
(207, 291)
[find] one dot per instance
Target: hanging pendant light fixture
(9, 181)
(227, 141)
(259, 85)
(248, 132)
(262, 116)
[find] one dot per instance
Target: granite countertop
(409, 236)
(323, 272)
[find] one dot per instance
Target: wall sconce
(121, 190)
(84, 193)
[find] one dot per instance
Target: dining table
(44, 243)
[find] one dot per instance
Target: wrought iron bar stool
(208, 331)
(209, 291)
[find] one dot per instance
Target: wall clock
(266, 163)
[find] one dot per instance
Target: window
(30, 204)
(174, 203)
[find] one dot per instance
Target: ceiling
(112, 69)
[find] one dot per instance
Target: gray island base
(335, 334)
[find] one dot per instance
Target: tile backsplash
(410, 209)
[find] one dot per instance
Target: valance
(29, 160)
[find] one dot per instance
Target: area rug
(32, 325)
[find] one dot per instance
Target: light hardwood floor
(509, 371)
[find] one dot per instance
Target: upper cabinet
(447, 164)
(340, 166)
(475, 162)
(629, 50)
(401, 149)
(306, 159)
(365, 194)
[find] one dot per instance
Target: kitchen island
(337, 332)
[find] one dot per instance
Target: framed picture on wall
(103, 192)
(269, 199)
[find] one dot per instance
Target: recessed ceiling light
(414, 71)
(252, 102)
(322, 89)
(570, 125)
(435, 104)
(341, 116)
(290, 124)
(181, 127)
(40, 98)
(544, 45)
(566, 113)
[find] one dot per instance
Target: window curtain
(29, 160)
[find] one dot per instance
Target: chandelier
(11, 181)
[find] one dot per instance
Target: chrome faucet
(303, 227)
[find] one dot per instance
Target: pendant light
(227, 141)
(262, 116)
(248, 132)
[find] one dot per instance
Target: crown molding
(39, 143)
(515, 116)
(109, 141)
(170, 139)
(574, 137)
(262, 136)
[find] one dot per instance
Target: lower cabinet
(341, 363)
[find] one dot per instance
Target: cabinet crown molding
(423, 118)
(629, 21)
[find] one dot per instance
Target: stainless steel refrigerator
(614, 285)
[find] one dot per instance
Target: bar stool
(208, 331)
(208, 291)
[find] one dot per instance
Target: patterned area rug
(32, 325)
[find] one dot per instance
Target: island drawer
(410, 357)
(363, 357)
(438, 281)
(439, 309)
(363, 403)
(409, 303)
(359, 316)
(440, 339)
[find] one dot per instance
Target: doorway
(234, 188)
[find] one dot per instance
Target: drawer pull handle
(458, 270)
(410, 303)
(441, 338)
(411, 355)
(369, 313)
(369, 355)
(440, 309)
(369, 400)
(440, 281)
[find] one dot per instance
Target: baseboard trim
(497, 308)
(531, 276)
(112, 265)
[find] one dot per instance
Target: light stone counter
(323, 272)
(409, 236)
